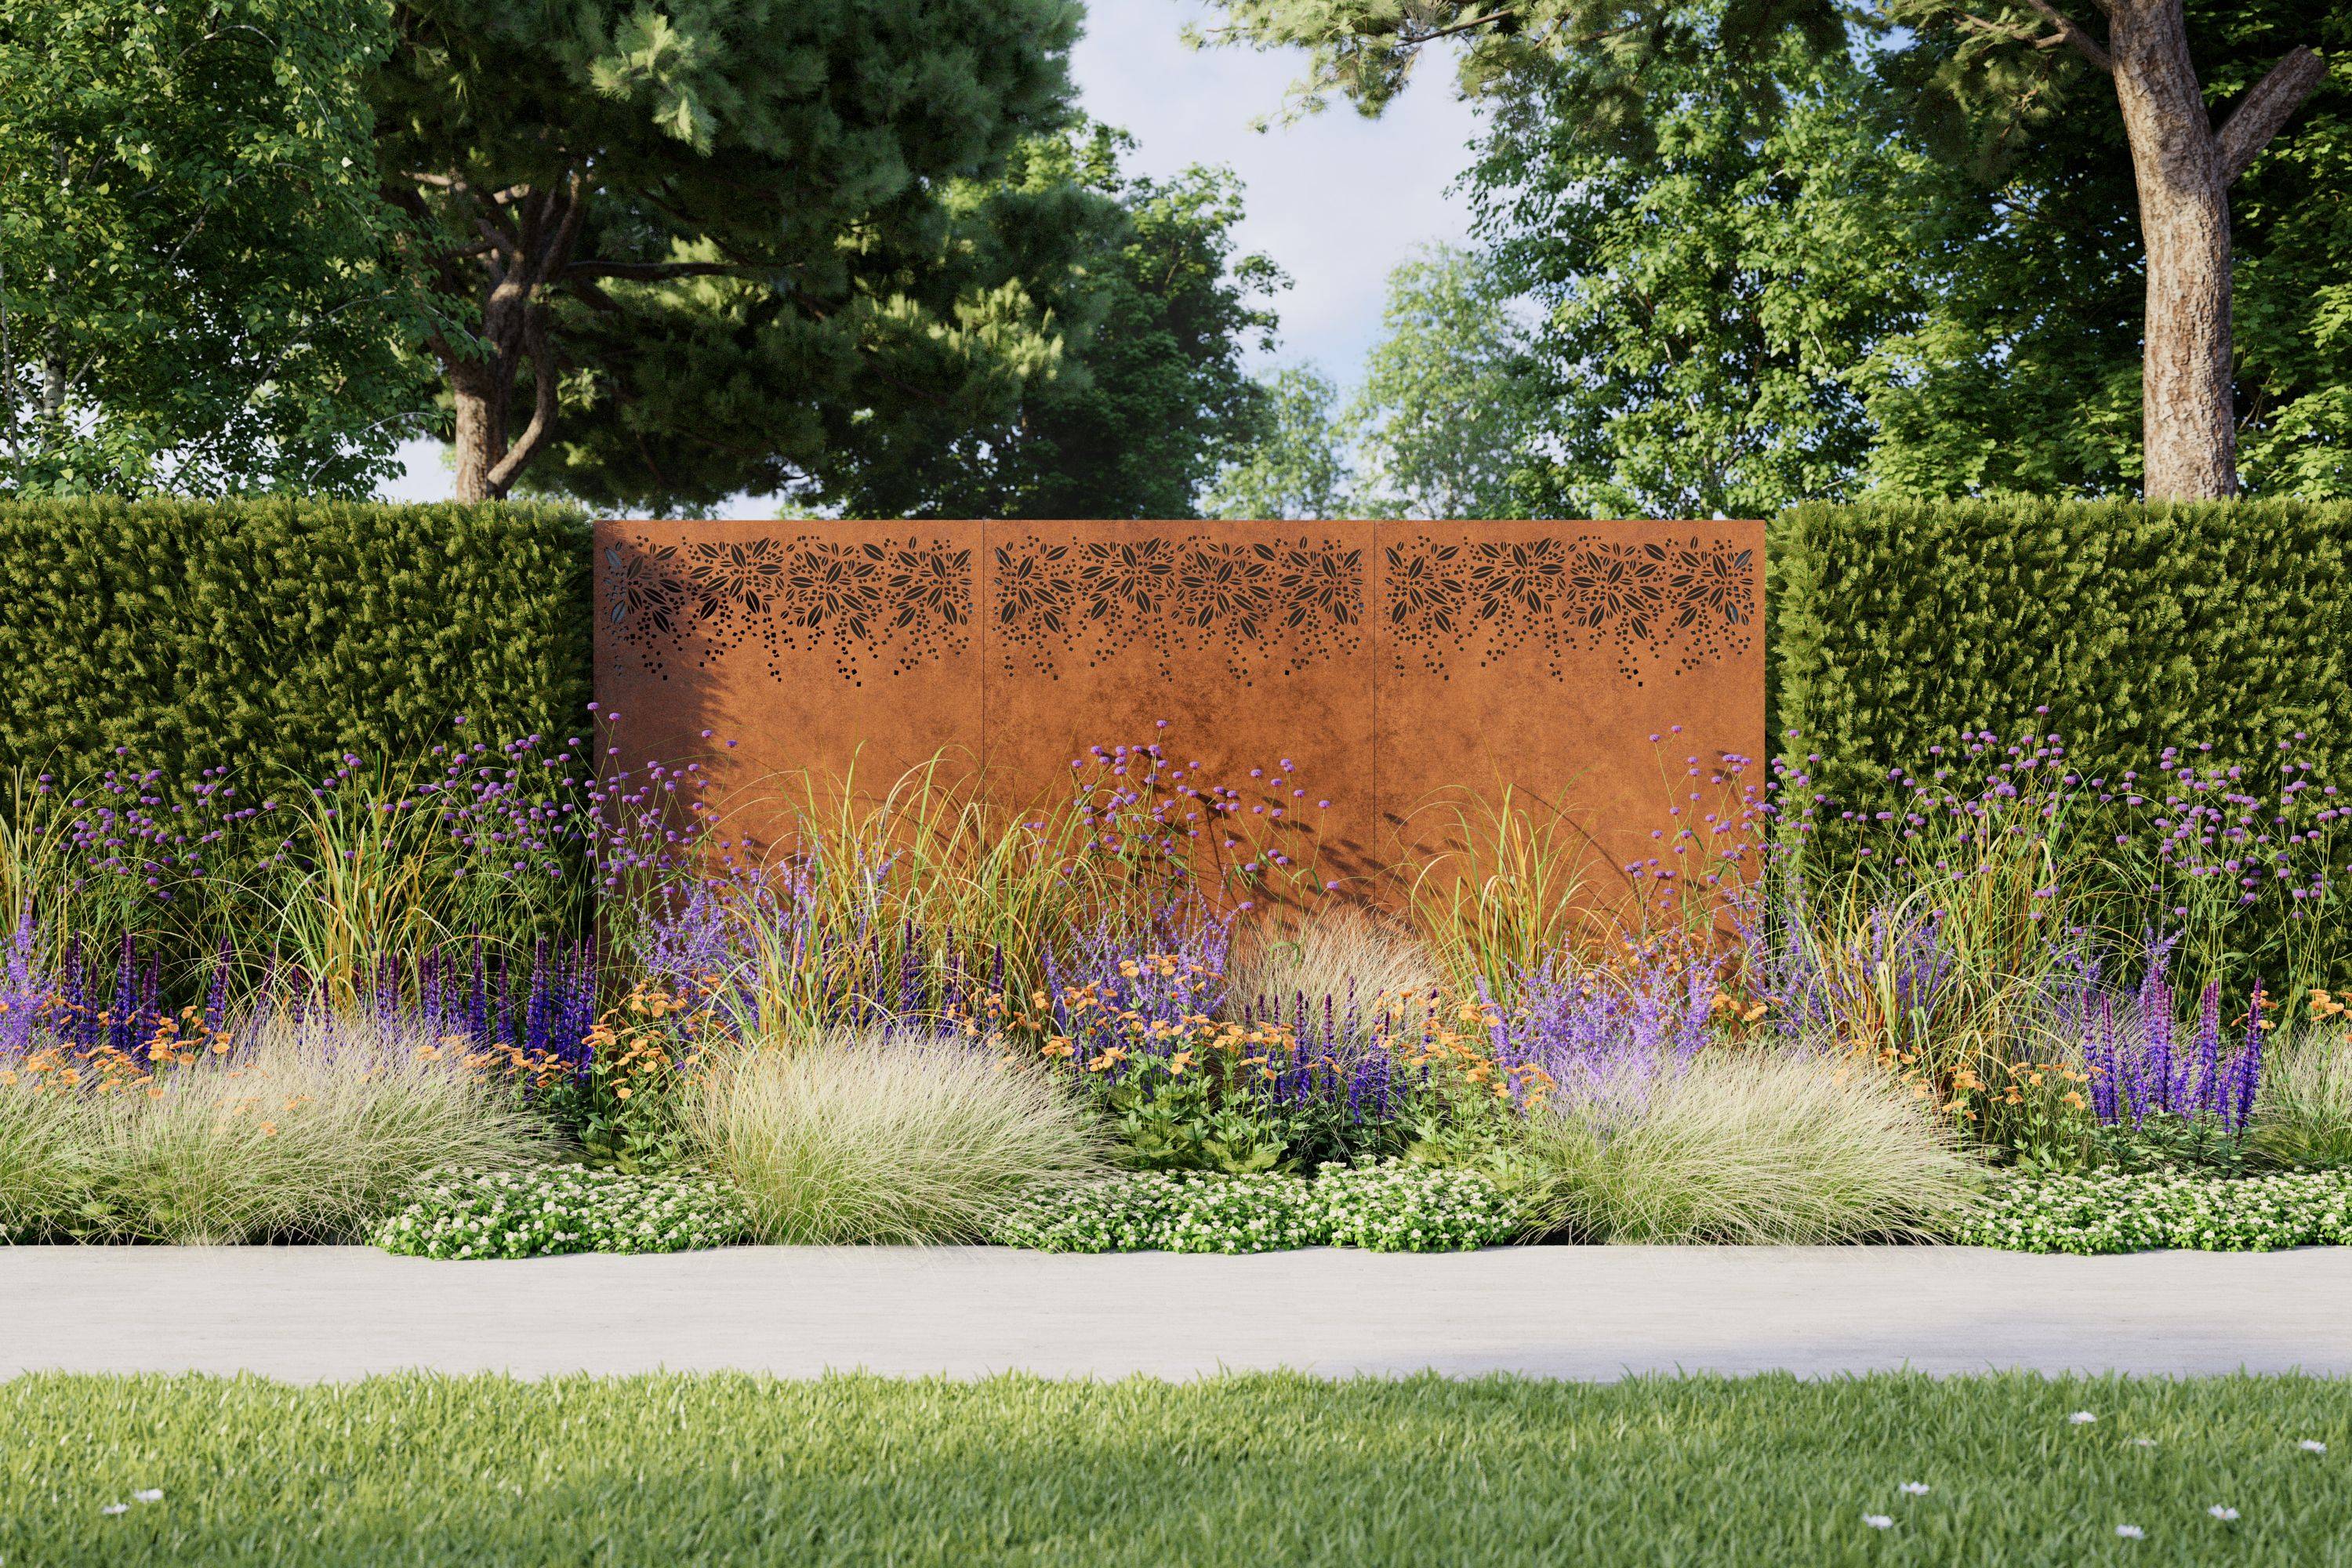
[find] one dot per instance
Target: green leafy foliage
(1449, 410)
(2167, 1141)
(1299, 466)
(199, 289)
(1779, 252)
(1385, 1206)
(704, 245)
(270, 636)
(1154, 309)
(1709, 300)
(1989, 388)
(1366, 50)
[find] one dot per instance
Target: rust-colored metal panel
(1376, 665)
(1252, 642)
(813, 647)
(1547, 656)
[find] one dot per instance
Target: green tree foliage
(2010, 385)
(197, 287)
(1707, 301)
(1300, 466)
(705, 242)
(1444, 423)
(2196, 111)
(1366, 51)
(1985, 178)
(1155, 310)
(1828, 300)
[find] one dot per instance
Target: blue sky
(1336, 200)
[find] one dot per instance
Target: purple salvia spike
(502, 1025)
(217, 993)
(2157, 1025)
(2249, 1065)
(477, 1010)
(2202, 1093)
(537, 1007)
(2104, 1066)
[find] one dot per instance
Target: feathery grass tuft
(876, 1138)
(1756, 1149)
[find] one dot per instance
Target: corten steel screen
(1391, 664)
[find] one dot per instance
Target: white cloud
(1336, 199)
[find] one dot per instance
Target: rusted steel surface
(1379, 665)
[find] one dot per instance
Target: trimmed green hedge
(270, 636)
(1891, 624)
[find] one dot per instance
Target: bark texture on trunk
(528, 237)
(480, 394)
(2183, 169)
(2188, 405)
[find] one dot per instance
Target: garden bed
(517, 1000)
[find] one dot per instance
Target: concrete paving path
(312, 1313)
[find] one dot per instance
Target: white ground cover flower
(2115, 1211)
(560, 1208)
(1391, 1206)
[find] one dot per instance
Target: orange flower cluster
(2015, 1085)
(1735, 1010)
(105, 1069)
(1464, 1058)
(650, 1032)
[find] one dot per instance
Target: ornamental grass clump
(1341, 967)
(1760, 1148)
(47, 1140)
(283, 1129)
(872, 1137)
(2303, 1111)
(914, 903)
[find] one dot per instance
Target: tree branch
(1499, 14)
(654, 272)
(2085, 44)
(542, 407)
(2265, 109)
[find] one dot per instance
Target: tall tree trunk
(2188, 405)
(480, 391)
(532, 244)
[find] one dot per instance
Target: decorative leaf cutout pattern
(1265, 607)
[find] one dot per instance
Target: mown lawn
(1244, 1470)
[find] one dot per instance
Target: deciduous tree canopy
(197, 286)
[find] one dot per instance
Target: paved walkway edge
(310, 1313)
